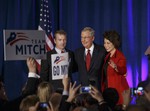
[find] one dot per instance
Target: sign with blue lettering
(60, 65)
(20, 44)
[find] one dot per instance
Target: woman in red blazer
(114, 67)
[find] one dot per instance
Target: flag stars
(44, 17)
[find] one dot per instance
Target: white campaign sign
(60, 64)
(20, 44)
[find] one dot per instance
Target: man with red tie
(89, 59)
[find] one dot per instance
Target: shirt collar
(59, 51)
(91, 49)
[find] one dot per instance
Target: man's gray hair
(90, 30)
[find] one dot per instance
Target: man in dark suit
(60, 39)
(29, 89)
(89, 69)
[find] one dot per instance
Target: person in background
(135, 108)
(45, 91)
(60, 39)
(89, 59)
(143, 99)
(147, 91)
(111, 96)
(71, 99)
(55, 100)
(30, 88)
(114, 67)
(28, 103)
(3, 96)
(31, 103)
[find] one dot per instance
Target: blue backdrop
(131, 18)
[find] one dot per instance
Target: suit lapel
(82, 56)
(94, 56)
(54, 51)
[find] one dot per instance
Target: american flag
(46, 25)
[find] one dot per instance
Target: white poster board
(60, 65)
(20, 44)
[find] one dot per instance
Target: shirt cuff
(34, 75)
(65, 93)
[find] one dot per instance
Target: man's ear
(93, 38)
(54, 41)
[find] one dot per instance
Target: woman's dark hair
(113, 37)
(84, 99)
(111, 96)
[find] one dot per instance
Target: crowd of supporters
(40, 96)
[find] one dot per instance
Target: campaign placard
(60, 65)
(20, 44)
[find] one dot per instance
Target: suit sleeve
(31, 86)
(45, 69)
(64, 106)
(121, 66)
(72, 65)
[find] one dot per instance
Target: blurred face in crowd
(108, 45)
(3, 95)
(60, 41)
(147, 92)
(87, 39)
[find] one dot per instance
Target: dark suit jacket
(94, 73)
(30, 89)
(46, 71)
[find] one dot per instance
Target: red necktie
(62, 51)
(88, 60)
